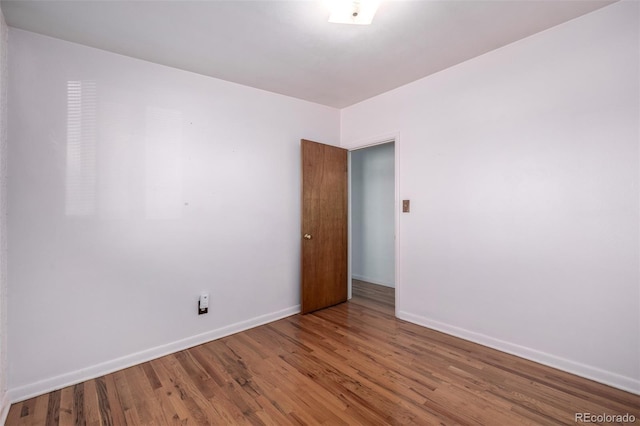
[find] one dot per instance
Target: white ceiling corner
(289, 47)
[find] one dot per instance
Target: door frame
(367, 143)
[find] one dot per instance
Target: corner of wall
(4, 399)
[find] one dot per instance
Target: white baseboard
(48, 385)
(5, 404)
(592, 373)
(371, 280)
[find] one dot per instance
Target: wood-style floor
(351, 364)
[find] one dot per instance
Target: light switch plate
(406, 206)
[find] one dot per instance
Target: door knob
(307, 236)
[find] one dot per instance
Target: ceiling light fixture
(358, 12)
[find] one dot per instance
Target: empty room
(315, 212)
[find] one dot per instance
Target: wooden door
(324, 226)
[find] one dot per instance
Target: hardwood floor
(351, 364)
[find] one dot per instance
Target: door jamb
(367, 143)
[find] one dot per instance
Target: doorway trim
(367, 143)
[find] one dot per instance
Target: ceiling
(288, 47)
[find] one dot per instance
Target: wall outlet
(203, 303)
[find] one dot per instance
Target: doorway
(373, 223)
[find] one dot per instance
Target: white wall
(133, 187)
(522, 170)
(372, 214)
(4, 401)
